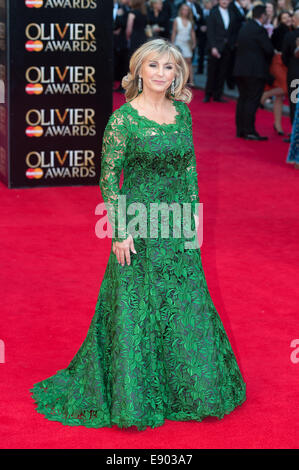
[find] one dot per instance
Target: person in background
(167, 6)
(120, 43)
(279, 88)
(251, 6)
(271, 18)
(293, 153)
(198, 18)
(159, 19)
(284, 5)
(221, 34)
(183, 36)
(137, 21)
(253, 57)
(291, 61)
(202, 35)
(239, 8)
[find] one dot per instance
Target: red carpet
(52, 265)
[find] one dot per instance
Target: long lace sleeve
(191, 169)
(114, 145)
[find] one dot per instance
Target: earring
(172, 87)
(139, 84)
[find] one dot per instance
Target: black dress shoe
(206, 99)
(261, 137)
(255, 137)
(220, 100)
(240, 134)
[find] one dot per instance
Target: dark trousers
(230, 79)
(292, 104)
(250, 93)
(201, 47)
(217, 70)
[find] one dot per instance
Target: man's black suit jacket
(288, 48)
(254, 51)
(240, 19)
(217, 35)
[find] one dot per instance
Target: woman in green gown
(156, 348)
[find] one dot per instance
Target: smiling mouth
(158, 81)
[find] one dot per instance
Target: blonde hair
(190, 14)
(160, 46)
(254, 4)
(288, 7)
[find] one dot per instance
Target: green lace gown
(156, 348)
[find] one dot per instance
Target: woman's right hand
(122, 250)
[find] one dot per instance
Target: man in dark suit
(221, 35)
(292, 63)
(240, 11)
(253, 57)
(201, 38)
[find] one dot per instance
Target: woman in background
(271, 18)
(158, 18)
(278, 70)
(293, 155)
(183, 36)
(137, 21)
(284, 5)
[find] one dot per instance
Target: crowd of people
(249, 45)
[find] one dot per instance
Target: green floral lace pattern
(156, 348)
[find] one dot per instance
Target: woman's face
(269, 9)
(157, 72)
(185, 11)
(286, 19)
(158, 5)
(281, 4)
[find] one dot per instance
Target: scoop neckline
(141, 116)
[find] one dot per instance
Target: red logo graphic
(34, 3)
(36, 173)
(34, 89)
(36, 131)
(34, 46)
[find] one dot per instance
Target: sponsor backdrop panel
(3, 92)
(60, 90)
